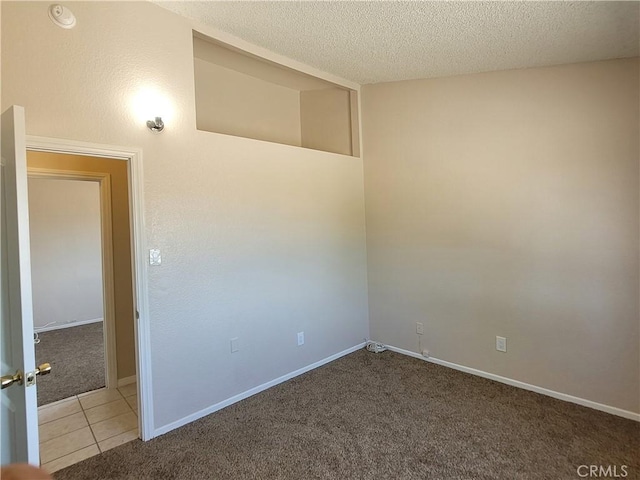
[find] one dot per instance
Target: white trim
(526, 386)
(74, 147)
(260, 388)
(142, 325)
(67, 325)
(126, 381)
(133, 156)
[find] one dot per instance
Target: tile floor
(79, 427)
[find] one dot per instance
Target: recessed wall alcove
(240, 94)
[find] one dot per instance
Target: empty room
(362, 240)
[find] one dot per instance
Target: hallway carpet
(76, 355)
(381, 416)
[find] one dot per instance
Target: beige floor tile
(62, 426)
(71, 459)
(128, 390)
(65, 444)
(114, 426)
(108, 410)
(58, 402)
(99, 397)
(54, 411)
(118, 440)
(91, 392)
(133, 402)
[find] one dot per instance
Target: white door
(19, 420)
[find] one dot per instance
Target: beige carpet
(383, 416)
(76, 355)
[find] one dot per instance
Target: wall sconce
(151, 107)
(156, 125)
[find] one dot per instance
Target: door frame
(133, 157)
(106, 252)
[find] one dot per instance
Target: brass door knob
(8, 380)
(44, 369)
(19, 377)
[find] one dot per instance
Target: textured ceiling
(371, 42)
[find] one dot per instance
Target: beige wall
(66, 259)
(238, 94)
(237, 104)
(123, 286)
(207, 49)
(259, 240)
(506, 204)
(325, 118)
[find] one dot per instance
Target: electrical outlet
(419, 328)
(425, 353)
(501, 344)
(300, 338)
(234, 345)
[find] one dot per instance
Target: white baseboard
(252, 391)
(66, 325)
(126, 381)
(526, 386)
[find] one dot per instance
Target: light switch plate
(155, 258)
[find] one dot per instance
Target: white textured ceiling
(381, 41)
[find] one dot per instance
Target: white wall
(506, 204)
(66, 268)
(259, 240)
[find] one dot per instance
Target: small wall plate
(155, 257)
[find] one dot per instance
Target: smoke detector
(62, 16)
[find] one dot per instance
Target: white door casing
(133, 157)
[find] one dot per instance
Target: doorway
(86, 423)
(20, 414)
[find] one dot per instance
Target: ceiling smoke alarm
(62, 16)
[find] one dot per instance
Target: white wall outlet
(235, 344)
(300, 338)
(425, 353)
(155, 258)
(419, 328)
(501, 344)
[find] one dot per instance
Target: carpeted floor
(384, 416)
(76, 355)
